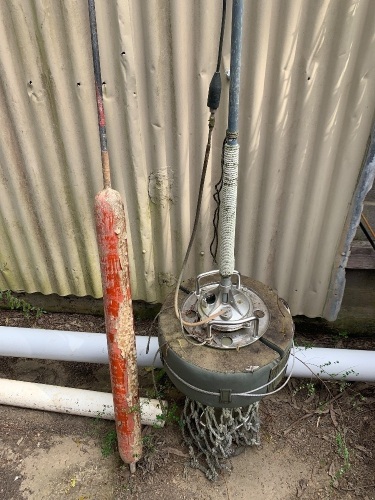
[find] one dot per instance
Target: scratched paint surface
(111, 234)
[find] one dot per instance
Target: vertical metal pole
(228, 202)
(114, 266)
(235, 71)
(99, 95)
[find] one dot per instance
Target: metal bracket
(212, 273)
(225, 396)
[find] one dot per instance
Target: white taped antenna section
(228, 205)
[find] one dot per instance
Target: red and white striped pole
(114, 265)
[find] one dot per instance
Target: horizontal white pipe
(327, 363)
(73, 401)
(68, 346)
(336, 364)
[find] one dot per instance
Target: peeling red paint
(99, 102)
(112, 243)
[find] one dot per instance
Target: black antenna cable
(213, 101)
(214, 90)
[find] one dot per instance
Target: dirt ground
(317, 439)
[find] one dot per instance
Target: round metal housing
(221, 377)
(244, 319)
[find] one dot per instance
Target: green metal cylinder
(218, 377)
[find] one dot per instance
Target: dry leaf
(333, 416)
(331, 471)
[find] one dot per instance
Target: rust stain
(99, 100)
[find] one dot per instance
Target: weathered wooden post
(114, 265)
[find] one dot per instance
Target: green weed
(109, 442)
(343, 334)
(309, 386)
(149, 445)
(12, 302)
(303, 343)
(170, 414)
(343, 452)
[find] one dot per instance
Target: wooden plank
(362, 256)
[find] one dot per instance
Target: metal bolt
(259, 313)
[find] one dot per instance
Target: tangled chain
(216, 434)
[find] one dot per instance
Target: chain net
(213, 435)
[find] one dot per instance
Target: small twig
(175, 451)
(359, 487)
(288, 429)
(315, 412)
(333, 416)
(314, 374)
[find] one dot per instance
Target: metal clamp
(211, 273)
(242, 321)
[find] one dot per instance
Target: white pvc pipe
(336, 364)
(73, 401)
(327, 363)
(68, 346)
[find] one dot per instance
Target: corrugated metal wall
(307, 104)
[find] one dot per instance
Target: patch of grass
(149, 445)
(170, 414)
(109, 443)
(161, 390)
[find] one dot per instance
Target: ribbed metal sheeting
(307, 105)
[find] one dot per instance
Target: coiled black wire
(216, 197)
